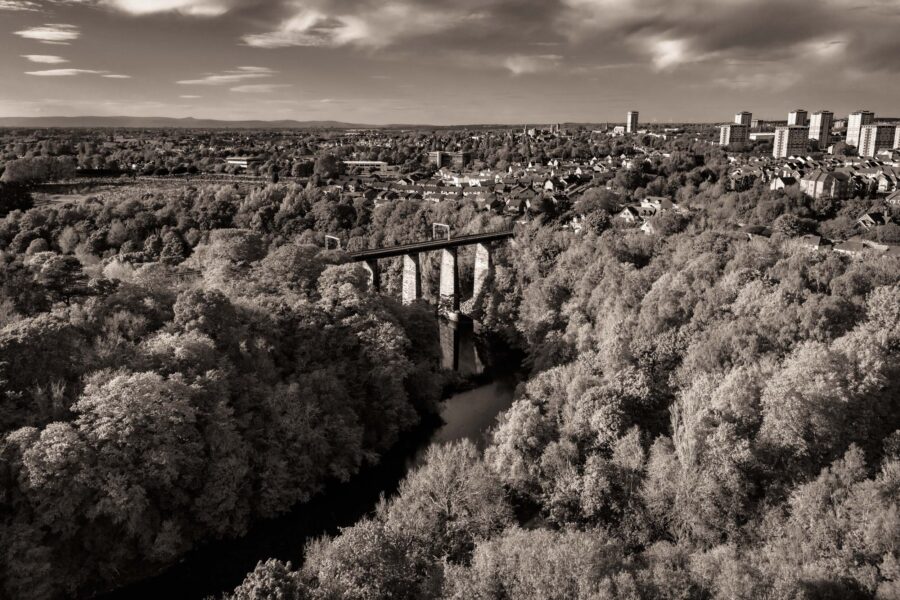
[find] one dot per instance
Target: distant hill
(169, 123)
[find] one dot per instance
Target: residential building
(872, 219)
(820, 127)
(814, 242)
(628, 214)
(855, 123)
(631, 124)
(826, 184)
(372, 165)
(761, 125)
(790, 140)
(456, 160)
(244, 162)
(780, 183)
(732, 133)
(743, 118)
(875, 137)
(897, 137)
(761, 135)
(797, 117)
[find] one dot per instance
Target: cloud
(670, 53)
(75, 72)
(45, 59)
(19, 5)
(190, 96)
(230, 77)
(64, 72)
(260, 88)
(365, 23)
(524, 65)
(51, 33)
(195, 8)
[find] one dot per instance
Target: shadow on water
(219, 566)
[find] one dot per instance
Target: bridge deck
(400, 250)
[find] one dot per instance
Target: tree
(14, 196)
(271, 580)
(38, 170)
(328, 166)
(806, 404)
(363, 563)
(556, 565)
(174, 250)
(789, 225)
(142, 418)
(62, 276)
(448, 504)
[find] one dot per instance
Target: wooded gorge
(705, 416)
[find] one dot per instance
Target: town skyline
(194, 122)
(409, 62)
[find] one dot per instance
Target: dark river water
(220, 566)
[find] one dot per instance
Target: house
(779, 183)
(553, 184)
(242, 161)
(758, 232)
(516, 205)
(893, 199)
(826, 184)
(887, 182)
(871, 219)
(629, 214)
(851, 248)
(659, 203)
(814, 242)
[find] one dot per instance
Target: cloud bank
(51, 33)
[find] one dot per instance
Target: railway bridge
(448, 303)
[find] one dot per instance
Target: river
(219, 566)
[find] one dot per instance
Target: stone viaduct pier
(448, 303)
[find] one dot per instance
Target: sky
(448, 62)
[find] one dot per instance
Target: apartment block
(855, 123)
(733, 133)
(790, 140)
(631, 124)
(743, 118)
(875, 137)
(820, 126)
(797, 117)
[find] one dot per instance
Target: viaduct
(448, 303)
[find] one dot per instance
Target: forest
(704, 416)
(707, 417)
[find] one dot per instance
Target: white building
(797, 117)
(762, 135)
(631, 124)
(875, 137)
(855, 123)
(790, 140)
(820, 126)
(733, 133)
(897, 137)
(743, 118)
